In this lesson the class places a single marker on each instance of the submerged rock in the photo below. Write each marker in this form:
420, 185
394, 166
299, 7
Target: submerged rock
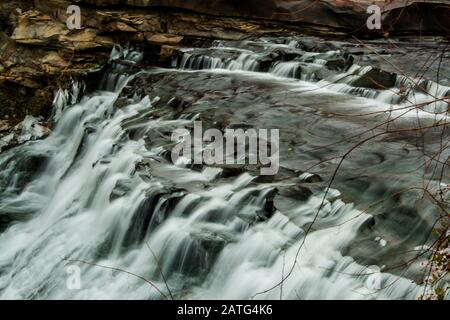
30, 128
5, 126
376, 79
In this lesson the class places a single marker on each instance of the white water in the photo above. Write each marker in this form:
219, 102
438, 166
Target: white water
70, 215
423, 99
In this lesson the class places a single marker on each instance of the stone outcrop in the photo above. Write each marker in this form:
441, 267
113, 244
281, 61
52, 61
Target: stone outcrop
344, 14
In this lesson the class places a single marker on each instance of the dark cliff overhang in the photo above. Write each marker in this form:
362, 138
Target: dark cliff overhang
399, 16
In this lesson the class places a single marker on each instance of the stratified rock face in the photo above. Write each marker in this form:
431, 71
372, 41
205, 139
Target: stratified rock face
348, 15
304, 11
404, 15
266, 9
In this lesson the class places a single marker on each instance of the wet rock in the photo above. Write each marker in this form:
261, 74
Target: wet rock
284, 54
340, 64
391, 237
291, 197
269, 207
312, 45
213, 242
265, 63
232, 171
121, 188
25, 170
200, 250
29, 129
5, 126
168, 53
263, 211
376, 79
178, 104
310, 178
398, 219
171, 200
7, 142
140, 223
296, 192
4, 222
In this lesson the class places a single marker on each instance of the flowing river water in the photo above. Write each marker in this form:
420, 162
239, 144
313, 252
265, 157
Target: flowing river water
101, 195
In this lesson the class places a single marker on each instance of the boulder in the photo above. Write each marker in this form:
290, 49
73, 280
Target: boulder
4, 126
376, 79
36, 28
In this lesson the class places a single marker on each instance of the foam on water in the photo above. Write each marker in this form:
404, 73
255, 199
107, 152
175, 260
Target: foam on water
218, 242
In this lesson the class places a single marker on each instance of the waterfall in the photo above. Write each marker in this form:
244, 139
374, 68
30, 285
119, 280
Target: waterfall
245, 62
95, 194
200, 62
287, 69
312, 67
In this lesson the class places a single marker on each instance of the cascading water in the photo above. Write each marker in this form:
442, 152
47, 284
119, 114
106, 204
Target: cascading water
313, 67
99, 193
